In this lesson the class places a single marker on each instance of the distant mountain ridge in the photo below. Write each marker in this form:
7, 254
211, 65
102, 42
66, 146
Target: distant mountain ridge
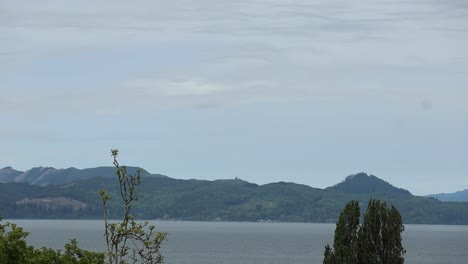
460, 196
363, 183
219, 200
43, 176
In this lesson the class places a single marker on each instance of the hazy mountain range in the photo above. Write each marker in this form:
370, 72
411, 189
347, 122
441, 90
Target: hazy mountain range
460, 196
47, 175
73, 193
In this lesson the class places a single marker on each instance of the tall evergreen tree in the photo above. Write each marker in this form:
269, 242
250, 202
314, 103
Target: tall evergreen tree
380, 235
376, 241
346, 234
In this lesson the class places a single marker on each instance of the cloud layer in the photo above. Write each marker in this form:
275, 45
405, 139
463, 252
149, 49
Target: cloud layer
381, 76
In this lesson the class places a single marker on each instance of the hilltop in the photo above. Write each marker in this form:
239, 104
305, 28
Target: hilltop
363, 183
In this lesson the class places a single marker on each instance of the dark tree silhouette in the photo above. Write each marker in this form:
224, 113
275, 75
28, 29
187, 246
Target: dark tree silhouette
376, 241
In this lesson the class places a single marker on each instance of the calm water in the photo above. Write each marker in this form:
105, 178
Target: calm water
253, 243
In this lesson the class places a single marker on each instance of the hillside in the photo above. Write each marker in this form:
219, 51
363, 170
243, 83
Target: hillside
8, 174
50, 176
460, 196
224, 200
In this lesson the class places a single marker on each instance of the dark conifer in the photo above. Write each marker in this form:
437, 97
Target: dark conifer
346, 234
328, 256
380, 235
376, 241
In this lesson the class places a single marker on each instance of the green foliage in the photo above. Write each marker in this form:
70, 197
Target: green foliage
346, 234
128, 240
380, 235
376, 241
73, 254
328, 256
14, 249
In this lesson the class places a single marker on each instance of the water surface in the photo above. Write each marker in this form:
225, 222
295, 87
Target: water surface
253, 243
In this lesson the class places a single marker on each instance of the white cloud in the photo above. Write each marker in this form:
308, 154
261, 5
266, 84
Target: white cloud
157, 87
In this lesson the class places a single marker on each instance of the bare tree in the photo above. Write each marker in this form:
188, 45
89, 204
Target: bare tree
129, 241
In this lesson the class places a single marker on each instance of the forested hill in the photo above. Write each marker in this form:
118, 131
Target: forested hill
222, 200
362, 183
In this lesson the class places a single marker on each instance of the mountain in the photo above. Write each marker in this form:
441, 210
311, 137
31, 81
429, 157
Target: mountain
362, 183
225, 200
8, 174
50, 176
460, 196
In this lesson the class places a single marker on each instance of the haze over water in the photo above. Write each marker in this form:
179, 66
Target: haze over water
253, 243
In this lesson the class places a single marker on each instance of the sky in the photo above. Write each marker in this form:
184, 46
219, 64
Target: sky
306, 91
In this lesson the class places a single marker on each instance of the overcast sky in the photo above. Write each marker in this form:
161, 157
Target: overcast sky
302, 91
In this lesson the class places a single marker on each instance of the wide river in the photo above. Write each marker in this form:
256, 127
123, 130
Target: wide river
252, 243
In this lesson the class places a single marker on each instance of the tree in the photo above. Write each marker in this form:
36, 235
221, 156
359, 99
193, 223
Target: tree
328, 256
73, 254
129, 241
380, 235
14, 249
376, 241
13, 246
346, 234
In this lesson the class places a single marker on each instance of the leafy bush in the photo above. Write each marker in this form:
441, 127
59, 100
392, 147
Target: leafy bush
14, 249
